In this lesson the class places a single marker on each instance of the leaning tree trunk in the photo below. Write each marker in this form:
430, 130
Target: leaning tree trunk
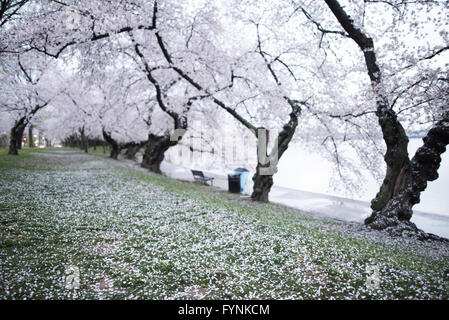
156, 146
132, 149
423, 168
16, 136
115, 146
155, 150
396, 159
396, 156
263, 178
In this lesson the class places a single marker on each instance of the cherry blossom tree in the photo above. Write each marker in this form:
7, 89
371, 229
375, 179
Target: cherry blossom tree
9, 9
28, 85
99, 31
402, 93
272, 67
195, 70
262, 76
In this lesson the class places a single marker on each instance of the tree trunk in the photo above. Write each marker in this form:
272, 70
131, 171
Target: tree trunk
154, 152
400, 171
396, 159
84, 144
30, 136
114, 153
262, 186
156, 146
263, 178
115, 146
132, 149
19, 139
423, 168
17, 130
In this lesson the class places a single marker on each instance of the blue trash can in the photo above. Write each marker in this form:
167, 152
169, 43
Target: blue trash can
243, 173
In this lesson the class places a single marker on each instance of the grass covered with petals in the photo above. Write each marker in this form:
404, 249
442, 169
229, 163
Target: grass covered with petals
137, 235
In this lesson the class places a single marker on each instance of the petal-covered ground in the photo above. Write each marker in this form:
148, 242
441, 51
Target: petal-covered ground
70, 220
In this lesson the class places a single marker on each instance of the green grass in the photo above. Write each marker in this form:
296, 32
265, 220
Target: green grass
134, 234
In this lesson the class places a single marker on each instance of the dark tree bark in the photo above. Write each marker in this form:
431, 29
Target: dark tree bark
84, 141
396, 158
15, 142
115, 146
156, 146
30, 136
262, 185
263, 181
422, 168
154, 152
132, 149
19, 140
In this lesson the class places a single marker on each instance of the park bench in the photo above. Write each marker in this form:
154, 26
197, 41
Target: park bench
199, 176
